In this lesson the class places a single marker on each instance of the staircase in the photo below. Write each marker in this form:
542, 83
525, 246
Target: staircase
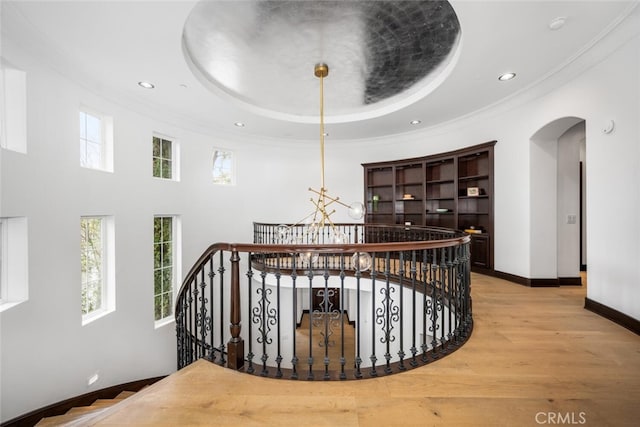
83, 415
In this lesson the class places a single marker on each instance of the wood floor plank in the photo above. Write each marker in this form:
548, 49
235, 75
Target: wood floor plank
535, 353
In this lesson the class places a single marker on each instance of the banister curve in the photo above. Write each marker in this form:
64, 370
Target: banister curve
416, 289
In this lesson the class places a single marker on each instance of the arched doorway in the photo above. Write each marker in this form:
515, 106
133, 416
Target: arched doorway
557, 191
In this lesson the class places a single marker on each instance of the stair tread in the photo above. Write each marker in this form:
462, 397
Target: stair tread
68, 418
81, 413
125, 394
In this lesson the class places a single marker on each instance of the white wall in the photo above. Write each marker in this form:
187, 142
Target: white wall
47, 355
607, 90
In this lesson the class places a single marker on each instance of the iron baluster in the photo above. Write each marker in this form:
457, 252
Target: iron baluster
343, 375
413, 350
203, 319
277, 318
212, 355
310, 358
221, 272
373, 358
401, 272
358, 361
294, 359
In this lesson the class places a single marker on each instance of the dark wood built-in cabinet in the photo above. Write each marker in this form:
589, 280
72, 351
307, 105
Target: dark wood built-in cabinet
452, 190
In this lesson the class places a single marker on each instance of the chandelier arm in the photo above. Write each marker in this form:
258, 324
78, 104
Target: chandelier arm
333, 199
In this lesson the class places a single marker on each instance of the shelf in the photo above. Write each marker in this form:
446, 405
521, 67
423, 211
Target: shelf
472, 177
482, 196
440, 181
379, 186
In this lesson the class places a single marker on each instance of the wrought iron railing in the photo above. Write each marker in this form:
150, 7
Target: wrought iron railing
391, 299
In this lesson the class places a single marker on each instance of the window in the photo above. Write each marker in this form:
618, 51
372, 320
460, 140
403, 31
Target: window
166, 262
13, 262
13, 109
3, 261
96, 141
97, 267
223, 170
165, 158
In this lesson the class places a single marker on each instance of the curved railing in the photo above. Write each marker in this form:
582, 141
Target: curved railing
390, 299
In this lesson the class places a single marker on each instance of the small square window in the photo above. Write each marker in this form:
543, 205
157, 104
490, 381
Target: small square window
223, 168
165, 157
96, 141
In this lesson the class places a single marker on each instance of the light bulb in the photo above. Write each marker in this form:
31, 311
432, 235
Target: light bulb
308, 259
283, 235
339, 238
361, 261
356, 210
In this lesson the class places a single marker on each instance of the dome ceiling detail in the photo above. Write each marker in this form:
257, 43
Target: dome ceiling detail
391, 62
382, 55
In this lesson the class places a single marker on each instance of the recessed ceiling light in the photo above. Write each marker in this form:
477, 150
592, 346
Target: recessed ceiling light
415, 122
506, 76
239, 124
146, 85
557, 23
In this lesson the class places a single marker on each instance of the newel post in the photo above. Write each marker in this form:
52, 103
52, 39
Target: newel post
235, 359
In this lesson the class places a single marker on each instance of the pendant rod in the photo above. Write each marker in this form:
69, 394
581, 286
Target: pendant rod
321, 71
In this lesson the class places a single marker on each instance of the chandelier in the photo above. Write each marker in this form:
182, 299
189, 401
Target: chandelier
320, 217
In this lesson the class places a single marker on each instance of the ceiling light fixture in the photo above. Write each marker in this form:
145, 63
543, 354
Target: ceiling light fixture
557, 23
506, 76
415, 122
320, 218
146, 85
239, 124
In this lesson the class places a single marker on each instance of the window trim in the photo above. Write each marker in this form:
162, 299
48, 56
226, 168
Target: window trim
13, 108
176, 274
108, 289
106, 142
233, 171
15, 258
175, 157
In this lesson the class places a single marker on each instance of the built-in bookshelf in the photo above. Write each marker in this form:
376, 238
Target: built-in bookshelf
452, 190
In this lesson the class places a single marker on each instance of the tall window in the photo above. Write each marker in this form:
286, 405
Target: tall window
14, 270
96, 261
3, 262
165, 158
223, 170
165, 264
96, 141
13, 109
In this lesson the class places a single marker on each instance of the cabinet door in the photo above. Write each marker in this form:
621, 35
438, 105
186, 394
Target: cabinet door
480, 251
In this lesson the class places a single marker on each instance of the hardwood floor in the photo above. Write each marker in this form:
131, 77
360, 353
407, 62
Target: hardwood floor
536, 357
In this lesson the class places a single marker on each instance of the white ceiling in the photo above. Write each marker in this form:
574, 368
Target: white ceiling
110, 46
